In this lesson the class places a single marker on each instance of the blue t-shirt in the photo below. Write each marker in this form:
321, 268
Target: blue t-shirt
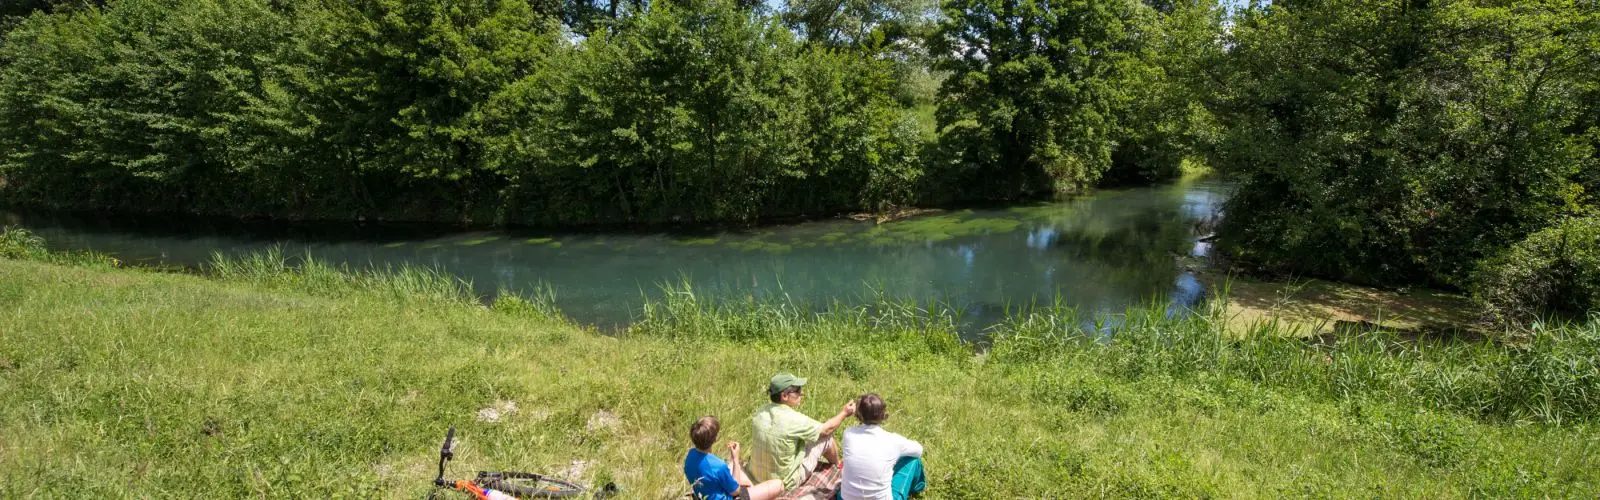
709, 475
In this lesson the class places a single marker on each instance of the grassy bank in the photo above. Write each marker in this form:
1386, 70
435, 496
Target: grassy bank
283, 383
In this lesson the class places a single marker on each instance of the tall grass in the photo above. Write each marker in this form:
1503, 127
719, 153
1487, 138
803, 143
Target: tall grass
1553, 376
21, 244
540, 304
685, 315
270, 268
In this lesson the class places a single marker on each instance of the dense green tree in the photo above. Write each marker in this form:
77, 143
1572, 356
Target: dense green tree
490, 110
480, 110
678, 97
861, 23
1034, 91
704, 111
1403, 140
1165, 120
241, 106
414, 74
134, 104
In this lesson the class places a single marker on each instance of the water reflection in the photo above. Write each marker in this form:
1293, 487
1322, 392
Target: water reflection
1101, 253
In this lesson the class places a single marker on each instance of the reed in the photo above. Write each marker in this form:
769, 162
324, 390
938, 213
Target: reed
271, 268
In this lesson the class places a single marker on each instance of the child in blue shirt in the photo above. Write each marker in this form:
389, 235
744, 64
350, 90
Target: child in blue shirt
713, 479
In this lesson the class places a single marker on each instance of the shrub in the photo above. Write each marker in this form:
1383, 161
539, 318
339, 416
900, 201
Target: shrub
1556, 269
18, 243
21, 244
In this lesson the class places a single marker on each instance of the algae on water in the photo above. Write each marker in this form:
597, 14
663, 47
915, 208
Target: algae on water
477, 241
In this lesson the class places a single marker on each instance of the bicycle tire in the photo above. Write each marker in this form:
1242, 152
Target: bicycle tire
529, 485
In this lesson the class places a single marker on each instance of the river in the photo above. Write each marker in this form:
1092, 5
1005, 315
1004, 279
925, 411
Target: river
1102, 252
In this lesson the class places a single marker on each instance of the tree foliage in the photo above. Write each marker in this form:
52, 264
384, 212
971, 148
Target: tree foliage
137, 102
1166, 119
705, 112
1402, 141
481, 110
1035, 91
869, 24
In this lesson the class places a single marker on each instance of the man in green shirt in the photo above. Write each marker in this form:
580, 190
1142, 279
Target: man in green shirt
787, 444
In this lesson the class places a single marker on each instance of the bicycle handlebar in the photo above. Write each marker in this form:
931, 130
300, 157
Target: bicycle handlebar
445, 454
449, 442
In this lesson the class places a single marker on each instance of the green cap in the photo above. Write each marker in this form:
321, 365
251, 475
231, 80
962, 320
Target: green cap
783, 381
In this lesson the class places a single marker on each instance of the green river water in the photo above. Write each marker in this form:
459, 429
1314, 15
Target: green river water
1102, 252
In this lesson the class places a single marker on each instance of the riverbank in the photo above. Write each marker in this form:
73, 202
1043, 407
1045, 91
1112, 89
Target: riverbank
264, 381
1309, 307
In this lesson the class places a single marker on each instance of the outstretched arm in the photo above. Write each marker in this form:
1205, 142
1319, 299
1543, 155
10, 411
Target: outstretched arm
837, 420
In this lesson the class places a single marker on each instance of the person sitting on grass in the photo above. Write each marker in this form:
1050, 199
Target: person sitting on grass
713, 479
878, 464
789, 444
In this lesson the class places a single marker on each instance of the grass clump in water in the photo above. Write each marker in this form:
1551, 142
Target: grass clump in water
538, 305
21, 244
683, 314
307, 274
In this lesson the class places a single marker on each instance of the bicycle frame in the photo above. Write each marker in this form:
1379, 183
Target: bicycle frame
503, 485
447, 453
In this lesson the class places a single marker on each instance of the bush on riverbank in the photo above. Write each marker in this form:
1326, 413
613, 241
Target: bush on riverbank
1402, 143
1547, 375
1554, 270
271, 269
18, 243
126, 381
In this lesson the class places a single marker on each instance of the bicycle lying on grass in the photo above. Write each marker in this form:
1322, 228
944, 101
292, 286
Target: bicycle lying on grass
507, 485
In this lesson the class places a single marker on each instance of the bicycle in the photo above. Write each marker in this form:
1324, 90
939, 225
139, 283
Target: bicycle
506, 485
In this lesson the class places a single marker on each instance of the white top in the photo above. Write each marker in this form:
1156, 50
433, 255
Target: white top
869, 456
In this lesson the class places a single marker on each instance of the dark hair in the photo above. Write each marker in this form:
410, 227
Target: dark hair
704, 432
870, 409
777, 397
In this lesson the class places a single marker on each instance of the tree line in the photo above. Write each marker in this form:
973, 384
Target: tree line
558, 113
1442, 142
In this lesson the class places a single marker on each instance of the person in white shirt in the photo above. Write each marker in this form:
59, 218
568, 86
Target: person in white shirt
878, 464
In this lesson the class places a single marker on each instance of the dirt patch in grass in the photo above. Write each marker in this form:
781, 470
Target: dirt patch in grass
602, 420
500, 409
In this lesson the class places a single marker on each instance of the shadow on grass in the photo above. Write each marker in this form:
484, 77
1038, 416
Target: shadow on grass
1320, 305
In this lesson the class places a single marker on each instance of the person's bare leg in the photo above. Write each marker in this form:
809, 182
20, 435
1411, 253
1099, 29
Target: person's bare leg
744, 479
769, 490
831, 453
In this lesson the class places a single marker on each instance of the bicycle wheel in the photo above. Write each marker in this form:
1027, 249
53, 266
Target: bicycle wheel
528, 485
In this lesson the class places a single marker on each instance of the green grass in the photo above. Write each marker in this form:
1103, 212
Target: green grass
271, 380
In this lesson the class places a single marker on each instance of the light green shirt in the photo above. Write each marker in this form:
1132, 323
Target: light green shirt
780, 439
